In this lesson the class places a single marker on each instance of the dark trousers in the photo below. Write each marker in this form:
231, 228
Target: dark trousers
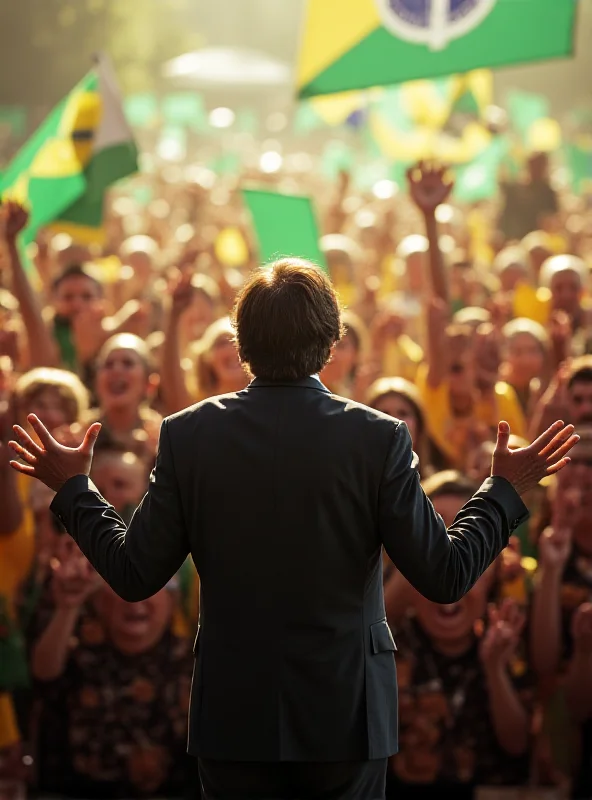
287, 780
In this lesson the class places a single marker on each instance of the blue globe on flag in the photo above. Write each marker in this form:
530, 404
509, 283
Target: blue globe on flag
434, 23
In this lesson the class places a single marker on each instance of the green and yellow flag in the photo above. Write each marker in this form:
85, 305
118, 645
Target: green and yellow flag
62, 172
356, 44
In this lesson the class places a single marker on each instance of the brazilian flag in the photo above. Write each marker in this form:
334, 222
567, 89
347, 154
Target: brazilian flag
62, 172
356, 44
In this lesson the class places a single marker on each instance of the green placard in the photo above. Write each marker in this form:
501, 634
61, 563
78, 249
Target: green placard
285, 225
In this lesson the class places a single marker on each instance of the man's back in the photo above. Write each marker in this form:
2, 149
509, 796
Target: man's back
284, 494
279, 488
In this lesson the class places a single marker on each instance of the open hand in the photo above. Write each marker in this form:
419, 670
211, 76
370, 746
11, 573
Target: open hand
525, 467
428, 186
50, 462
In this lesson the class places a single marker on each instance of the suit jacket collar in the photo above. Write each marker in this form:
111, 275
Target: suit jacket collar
305, 383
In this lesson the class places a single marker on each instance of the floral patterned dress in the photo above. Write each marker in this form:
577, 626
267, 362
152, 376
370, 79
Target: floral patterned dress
115, 726
446, 737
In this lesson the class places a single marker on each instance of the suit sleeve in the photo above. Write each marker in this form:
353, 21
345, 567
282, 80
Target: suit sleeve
139, 561
441, 564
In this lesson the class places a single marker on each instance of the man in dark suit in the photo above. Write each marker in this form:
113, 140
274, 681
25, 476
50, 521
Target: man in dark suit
284, 495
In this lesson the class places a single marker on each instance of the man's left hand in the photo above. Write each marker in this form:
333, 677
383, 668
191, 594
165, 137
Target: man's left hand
50, 462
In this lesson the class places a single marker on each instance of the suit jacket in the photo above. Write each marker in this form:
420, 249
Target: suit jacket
284, 495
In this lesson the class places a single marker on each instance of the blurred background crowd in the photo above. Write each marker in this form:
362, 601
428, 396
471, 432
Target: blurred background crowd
455, 218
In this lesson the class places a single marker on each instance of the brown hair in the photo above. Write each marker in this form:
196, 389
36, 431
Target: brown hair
399, 387
391, 387
69, 387
287, 319
207, 381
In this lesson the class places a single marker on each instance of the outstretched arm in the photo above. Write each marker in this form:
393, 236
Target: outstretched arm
136, 562
42, 351
444, 564
139, 561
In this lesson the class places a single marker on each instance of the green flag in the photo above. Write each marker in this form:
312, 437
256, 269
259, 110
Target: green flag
285, 225
83, 147
355, 44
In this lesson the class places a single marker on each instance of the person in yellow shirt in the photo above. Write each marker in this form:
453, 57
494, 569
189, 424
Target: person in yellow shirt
452, 430
460, 387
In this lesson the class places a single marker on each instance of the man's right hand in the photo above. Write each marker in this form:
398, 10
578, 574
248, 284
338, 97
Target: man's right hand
525, 467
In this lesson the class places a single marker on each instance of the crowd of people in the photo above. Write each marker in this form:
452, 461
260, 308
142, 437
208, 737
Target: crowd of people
455, 318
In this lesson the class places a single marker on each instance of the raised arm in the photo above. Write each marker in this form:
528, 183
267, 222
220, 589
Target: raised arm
444, 564
42, 351
438, 346
172, 383
554, 549
429, 188
73, 582
136, 562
